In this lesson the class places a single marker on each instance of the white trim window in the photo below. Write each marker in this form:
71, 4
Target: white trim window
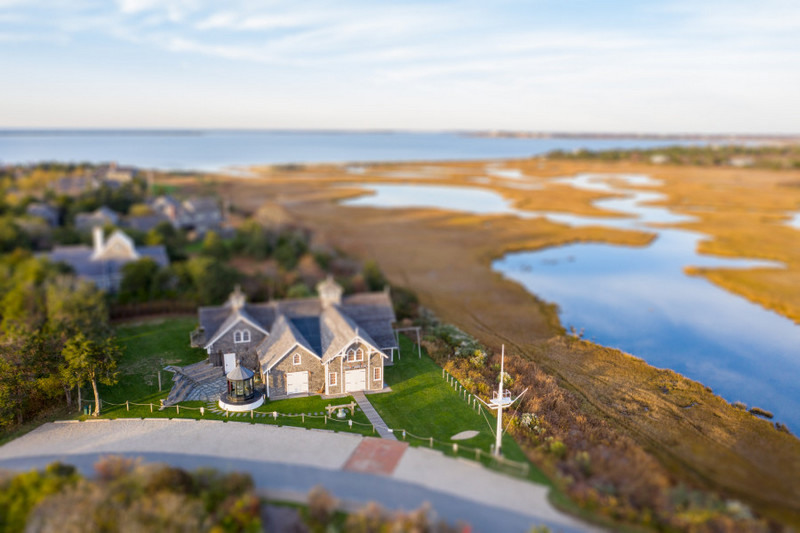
296, 360
355, 355
241, 335
332, 378
376, 373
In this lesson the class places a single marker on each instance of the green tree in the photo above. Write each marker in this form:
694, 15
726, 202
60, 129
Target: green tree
174, 240
210, 280
90, 360
139, 281
373, 276
214, 246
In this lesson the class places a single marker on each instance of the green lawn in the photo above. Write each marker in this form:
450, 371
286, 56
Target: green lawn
152, 345
146, 348
422, 403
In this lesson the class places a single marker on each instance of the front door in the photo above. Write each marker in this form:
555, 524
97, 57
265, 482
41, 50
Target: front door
229, 359
296, 382
355, 380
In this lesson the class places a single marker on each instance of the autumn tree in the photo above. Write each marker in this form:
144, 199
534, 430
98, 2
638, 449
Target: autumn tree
92, 360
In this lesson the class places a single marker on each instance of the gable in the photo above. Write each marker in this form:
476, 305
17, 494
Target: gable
227, 333
285, 358
357, 343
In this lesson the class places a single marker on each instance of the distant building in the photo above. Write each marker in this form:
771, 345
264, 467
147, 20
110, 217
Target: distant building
201, 214
74, 185
102, 263
46, 212
741, 161
101, 217
659, 159
115, 175
144, 223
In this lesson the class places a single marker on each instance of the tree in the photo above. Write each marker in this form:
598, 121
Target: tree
214, 246
211, 280
90, 360
139, 281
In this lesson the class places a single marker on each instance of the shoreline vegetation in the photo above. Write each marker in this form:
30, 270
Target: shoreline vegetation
446, 258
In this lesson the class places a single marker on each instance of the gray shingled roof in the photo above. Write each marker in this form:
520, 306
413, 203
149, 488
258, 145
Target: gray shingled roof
323, 331
283, 337
338, 330
80, 259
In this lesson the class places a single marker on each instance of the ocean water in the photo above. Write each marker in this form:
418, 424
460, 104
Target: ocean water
213, 150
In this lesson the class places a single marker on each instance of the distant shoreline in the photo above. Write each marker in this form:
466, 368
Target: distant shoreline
500, 134
706, 137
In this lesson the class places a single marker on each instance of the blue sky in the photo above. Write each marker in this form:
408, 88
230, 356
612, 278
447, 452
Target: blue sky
656, 66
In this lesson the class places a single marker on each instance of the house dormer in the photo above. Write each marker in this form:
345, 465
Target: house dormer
330, 292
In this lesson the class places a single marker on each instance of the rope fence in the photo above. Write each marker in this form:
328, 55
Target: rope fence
452, 448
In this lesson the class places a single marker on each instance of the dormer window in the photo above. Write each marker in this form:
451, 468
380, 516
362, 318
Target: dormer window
355, 355
296, 359
241, 335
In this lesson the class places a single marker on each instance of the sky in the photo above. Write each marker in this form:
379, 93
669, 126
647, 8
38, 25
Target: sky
661, 66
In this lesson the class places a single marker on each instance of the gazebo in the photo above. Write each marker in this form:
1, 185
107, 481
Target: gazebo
241, 394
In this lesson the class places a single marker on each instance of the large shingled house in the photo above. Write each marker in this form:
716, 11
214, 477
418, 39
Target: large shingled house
102, 263
327, 345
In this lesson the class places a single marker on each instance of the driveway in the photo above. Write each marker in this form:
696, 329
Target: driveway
287, 462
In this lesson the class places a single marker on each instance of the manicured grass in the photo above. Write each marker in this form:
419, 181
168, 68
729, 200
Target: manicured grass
146, 349
310, 406
425, 405
150, 346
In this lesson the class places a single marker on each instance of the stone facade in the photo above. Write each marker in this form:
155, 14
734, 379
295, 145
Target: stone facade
340, 365
308, 363
245, 351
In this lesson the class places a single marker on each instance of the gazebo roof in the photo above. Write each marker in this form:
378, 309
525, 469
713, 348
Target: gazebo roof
239, 373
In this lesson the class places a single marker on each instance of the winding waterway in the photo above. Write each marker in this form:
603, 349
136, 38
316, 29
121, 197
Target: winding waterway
639, 299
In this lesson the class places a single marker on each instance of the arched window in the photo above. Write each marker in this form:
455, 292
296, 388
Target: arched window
359, 355
351, 355
296, 359
241, 335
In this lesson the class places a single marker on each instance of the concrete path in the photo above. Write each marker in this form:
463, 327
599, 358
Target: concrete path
373, 416
290, 461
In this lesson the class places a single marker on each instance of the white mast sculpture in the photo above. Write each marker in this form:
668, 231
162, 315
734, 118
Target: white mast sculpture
499, 401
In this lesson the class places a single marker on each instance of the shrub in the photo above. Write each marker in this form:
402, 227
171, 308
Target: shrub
321, 505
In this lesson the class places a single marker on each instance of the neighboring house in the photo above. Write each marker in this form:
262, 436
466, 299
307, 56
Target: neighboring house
101, 217
144, 223
102, 263
200, 214
327, 345
203, 213
74, 185
46, 212
115, 175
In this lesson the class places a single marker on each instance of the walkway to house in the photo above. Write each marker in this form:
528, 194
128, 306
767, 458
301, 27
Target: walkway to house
198, 382
373, 416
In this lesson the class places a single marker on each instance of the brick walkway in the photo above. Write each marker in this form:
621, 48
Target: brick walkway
373, 416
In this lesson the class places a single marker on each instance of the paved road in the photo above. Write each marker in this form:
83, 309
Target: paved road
289, 461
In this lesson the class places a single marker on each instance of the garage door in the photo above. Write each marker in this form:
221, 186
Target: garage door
355, 380
296, 382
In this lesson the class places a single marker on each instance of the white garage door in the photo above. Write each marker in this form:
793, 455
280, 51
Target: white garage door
296, 382
355, 380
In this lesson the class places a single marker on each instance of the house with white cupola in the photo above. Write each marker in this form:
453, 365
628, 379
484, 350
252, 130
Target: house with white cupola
331, 344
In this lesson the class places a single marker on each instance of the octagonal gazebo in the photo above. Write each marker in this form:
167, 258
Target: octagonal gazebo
241, 394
